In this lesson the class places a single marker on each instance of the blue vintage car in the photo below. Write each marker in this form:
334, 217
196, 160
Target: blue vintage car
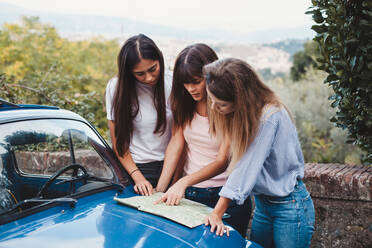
58, 178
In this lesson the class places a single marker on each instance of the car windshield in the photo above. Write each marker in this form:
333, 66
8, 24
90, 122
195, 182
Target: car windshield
42, 147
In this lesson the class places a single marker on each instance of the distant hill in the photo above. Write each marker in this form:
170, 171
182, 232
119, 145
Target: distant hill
93, 25
291, 46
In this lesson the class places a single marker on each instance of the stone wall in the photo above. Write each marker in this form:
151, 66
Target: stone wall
47, 163
342, 196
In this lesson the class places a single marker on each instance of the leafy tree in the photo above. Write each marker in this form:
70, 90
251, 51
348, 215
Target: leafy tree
307, 99
344, 36
46, 93
38, 66
304, 60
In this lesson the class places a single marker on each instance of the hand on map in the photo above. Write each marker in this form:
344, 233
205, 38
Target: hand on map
143, 187
174, 194
215, 221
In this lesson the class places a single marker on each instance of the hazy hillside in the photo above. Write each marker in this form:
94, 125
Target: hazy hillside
290, 46
266, 50
90, 25
261, 57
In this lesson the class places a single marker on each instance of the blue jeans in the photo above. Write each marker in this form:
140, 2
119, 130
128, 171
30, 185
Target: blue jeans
284, 221
239, 214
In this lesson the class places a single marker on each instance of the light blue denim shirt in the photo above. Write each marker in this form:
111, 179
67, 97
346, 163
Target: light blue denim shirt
272, 163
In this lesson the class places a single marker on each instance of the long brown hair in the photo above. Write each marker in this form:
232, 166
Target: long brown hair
235, 81
188, 68
125, 101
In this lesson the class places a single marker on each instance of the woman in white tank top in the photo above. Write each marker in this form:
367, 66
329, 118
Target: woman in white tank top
138, 111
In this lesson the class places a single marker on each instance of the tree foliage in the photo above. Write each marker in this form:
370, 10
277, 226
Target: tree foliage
307, 99
38, 66
344, 36
304, 60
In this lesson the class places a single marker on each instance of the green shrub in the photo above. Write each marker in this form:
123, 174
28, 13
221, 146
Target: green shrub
308, 102
344, 36
304, 60
52, 91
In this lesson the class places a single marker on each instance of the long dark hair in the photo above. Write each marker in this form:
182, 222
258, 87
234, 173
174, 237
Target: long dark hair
188, 68
125, 102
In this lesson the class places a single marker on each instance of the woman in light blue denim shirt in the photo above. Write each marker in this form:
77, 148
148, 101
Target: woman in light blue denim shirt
266, 161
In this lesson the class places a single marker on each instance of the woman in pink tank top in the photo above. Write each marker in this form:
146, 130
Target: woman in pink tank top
200, 174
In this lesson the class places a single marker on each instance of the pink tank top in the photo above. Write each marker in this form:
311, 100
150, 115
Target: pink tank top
202, 149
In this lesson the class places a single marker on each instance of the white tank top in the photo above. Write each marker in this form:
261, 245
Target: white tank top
146, 146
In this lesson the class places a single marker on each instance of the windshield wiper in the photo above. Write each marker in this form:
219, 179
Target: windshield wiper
69, 200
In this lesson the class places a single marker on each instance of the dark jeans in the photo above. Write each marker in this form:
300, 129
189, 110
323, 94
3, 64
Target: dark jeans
239, 214
151, 171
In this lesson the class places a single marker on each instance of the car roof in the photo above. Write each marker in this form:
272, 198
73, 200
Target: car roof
10, 112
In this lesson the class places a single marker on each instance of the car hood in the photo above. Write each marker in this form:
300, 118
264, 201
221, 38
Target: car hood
99, 221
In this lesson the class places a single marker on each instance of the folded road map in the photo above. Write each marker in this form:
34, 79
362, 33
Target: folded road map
188, 213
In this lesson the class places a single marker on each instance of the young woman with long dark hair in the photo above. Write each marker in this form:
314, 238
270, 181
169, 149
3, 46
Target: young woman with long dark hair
267, 160
206, 156
138, 113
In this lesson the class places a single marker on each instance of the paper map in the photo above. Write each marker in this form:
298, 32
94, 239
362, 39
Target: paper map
188, 213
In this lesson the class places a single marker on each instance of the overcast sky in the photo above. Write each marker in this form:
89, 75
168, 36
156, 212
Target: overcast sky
235, 15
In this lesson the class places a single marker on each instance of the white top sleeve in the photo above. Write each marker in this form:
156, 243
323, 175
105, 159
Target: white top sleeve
146, 146
110, 92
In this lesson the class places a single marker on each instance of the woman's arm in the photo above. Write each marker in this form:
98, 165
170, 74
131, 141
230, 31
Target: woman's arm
244, 177
215, 218
177, 191
180, 166
142, 186
173, 153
